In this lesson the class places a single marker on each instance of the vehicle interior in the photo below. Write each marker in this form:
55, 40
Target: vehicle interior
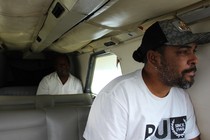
94, 34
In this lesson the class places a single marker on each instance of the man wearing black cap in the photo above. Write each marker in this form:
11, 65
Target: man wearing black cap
151, 103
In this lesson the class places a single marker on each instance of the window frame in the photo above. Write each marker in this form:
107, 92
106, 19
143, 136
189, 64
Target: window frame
91, 69
90, 72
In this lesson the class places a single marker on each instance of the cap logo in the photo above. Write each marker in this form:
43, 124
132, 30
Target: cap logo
181, 26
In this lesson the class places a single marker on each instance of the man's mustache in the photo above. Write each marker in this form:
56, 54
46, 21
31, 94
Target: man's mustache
194, 69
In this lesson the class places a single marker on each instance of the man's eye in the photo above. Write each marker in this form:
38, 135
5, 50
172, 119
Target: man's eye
186, 51
195, 50
183, 52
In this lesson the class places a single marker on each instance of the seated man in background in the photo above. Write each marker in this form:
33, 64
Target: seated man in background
61, 81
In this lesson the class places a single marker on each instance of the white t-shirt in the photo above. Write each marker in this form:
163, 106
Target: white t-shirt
126, 110
51, 84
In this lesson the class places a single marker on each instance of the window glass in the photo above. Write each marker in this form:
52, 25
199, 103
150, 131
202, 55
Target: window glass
107, 67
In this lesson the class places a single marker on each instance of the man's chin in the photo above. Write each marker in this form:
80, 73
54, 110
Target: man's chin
185, 84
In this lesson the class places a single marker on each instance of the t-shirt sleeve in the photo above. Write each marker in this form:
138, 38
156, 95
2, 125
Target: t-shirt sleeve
192, 130
106, 119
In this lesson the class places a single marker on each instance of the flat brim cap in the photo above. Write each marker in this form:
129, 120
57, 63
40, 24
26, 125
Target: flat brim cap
168, 32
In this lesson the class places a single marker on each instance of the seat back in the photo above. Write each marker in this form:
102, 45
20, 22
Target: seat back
23, 125
44, 117
32, 102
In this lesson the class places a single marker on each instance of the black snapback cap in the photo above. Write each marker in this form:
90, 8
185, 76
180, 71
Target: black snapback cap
168, 32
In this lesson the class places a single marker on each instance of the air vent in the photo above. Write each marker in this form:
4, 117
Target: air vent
64, 16
38, 39
110, 43
58, 10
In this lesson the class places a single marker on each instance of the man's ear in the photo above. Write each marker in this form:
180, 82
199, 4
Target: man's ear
153, 57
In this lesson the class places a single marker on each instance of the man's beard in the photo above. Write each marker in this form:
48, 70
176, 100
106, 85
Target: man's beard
170, 76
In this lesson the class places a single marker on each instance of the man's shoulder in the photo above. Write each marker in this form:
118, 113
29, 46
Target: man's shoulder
50, 76
136, 75
124, 81
73, 77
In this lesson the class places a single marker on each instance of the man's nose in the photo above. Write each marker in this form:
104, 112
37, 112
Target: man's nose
193, 60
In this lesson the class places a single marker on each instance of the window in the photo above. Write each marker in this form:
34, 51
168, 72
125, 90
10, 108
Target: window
106, 68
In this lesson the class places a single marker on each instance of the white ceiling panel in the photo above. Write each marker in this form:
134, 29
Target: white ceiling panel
20, 20
126, 12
